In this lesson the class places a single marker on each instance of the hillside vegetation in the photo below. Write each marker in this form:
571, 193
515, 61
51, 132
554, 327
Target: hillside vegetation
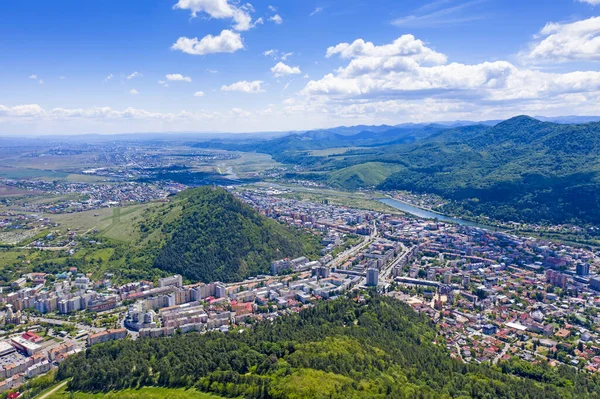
337, 350
216, 237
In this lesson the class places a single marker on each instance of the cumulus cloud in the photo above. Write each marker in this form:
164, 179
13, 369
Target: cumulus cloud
134, 75
245, 86
133, 92
277, 19
406, 77
199, 94
406, 46
576, 41
177, 77
281, 69
221, 9
226, 42
592, 2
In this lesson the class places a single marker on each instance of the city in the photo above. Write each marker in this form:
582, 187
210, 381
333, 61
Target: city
494, 295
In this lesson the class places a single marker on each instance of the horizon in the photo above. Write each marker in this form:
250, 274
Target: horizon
276, 133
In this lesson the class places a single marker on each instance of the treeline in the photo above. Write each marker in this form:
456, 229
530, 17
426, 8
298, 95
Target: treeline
219, 238
338, 349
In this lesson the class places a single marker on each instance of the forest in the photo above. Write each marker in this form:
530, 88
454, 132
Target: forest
216, 237
352, 347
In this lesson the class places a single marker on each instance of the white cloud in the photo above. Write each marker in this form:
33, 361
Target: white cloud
576, 41
34, 111
270, 53
177, 77
245, 86
62, 77
26, 110
220, 9
240, 113
134, 92
226, 42
281, 69
109, 77
272, 8
277, 19
316, 11
404, 46
134, 75
276, 54
592, 2
409, 79
163, 83
199, 94
35, 77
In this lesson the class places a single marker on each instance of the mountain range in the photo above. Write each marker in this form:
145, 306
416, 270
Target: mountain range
521, 169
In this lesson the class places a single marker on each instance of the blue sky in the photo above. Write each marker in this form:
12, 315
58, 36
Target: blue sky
71, 67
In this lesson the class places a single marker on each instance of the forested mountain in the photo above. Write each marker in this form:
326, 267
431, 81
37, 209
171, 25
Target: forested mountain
521, 169
321, 139
337, 350
213, 236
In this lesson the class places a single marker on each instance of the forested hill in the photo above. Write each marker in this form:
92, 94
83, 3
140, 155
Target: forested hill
521, 169
213, 236
340, 349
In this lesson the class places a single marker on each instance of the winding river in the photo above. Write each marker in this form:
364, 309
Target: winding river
425, 214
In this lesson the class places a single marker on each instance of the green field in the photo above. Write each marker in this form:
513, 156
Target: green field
142, 393
26, 173
364, 175
114, 223
331, 151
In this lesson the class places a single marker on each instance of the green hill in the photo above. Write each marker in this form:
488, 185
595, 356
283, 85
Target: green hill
213, 236
336, 350
521, 170
363, 175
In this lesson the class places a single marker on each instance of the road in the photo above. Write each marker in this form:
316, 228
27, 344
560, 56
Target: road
350, 252
53, 390
387, 270
504, 350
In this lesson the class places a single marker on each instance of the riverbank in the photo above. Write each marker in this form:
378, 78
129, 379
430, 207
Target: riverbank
428, 214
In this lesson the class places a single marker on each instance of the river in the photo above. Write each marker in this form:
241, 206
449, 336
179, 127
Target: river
425, 214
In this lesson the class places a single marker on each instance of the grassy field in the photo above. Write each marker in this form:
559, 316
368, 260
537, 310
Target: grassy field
142, 393
331, 151
26, 173
114, 223
366, 174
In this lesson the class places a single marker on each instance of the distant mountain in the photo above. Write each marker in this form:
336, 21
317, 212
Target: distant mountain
328, 138
209, 235
522, 169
